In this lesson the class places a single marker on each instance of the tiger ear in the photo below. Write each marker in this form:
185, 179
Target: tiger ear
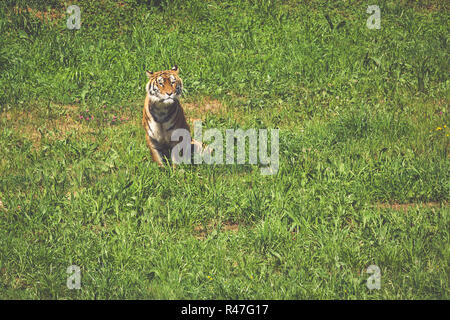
175, 68
149, 73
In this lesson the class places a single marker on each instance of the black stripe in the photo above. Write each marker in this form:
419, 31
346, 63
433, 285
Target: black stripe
167, 117
173, 126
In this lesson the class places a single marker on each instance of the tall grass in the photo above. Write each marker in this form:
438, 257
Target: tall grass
364, 169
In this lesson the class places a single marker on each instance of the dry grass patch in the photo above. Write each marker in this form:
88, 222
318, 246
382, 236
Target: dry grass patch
201, 107
51, 16
198, 109
58, 122
201, 231
408, 206
32, 125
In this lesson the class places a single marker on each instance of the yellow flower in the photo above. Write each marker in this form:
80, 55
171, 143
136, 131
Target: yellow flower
438, 128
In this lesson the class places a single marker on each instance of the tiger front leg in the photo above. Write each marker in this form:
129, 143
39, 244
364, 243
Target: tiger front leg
162, 155
157, 155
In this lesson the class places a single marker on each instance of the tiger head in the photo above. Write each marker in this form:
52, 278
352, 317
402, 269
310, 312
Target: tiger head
164, 87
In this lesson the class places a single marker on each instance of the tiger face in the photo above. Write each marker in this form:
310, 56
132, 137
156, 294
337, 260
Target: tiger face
164, 87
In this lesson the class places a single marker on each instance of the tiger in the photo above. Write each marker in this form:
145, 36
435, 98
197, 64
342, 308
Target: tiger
163, 114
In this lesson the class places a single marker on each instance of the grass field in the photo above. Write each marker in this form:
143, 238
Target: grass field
364, 124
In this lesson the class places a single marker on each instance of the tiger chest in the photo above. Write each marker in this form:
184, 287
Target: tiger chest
160, 132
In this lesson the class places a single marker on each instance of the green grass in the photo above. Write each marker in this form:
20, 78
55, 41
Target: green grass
361, 115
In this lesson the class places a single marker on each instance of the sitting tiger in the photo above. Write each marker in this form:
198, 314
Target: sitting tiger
163, 113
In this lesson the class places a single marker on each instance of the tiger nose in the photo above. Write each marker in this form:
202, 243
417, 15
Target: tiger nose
169, 93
